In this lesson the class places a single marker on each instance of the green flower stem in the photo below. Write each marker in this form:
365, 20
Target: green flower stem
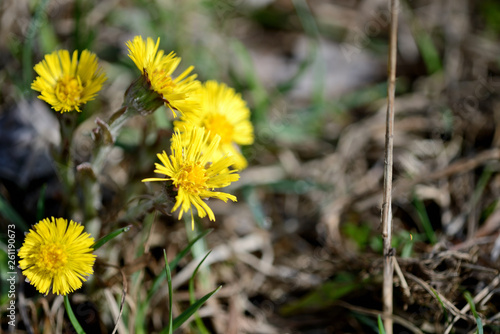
63, 161
92, 204
139, 99
88, 173
109, 132
89, 186
67, 125
71, 316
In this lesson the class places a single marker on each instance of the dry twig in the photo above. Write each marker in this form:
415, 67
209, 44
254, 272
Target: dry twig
386, 207
404, 284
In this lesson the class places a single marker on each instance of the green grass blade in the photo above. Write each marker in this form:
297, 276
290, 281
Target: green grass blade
381, 329
428, 51
193, 308
71, 316
191, 280
440, 302
479, 326
192, 297
157, 282
424, 219
169, 328
470, 300
179, 256
110, 236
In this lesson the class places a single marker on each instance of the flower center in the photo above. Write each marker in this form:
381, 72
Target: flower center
69, 90
219, 125
192, 178
52, 257
161, 82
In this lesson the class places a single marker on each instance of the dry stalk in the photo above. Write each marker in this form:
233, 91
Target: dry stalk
386, 207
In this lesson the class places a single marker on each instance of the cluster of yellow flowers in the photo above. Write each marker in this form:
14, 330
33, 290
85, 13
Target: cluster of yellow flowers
211, 121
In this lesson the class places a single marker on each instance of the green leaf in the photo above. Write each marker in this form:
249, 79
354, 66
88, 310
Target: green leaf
191, 280
470, 300
440, 302
428, 51
157, 282
381, 329
358, 233
110, 236
193, 308
479, 325
424, 219
161, 277
71, 316
192, 297
169, 329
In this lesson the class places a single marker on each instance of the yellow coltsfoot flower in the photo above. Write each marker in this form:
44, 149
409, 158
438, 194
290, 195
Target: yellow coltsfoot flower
68, 83
222, 113
195, 170
57, 256
157, 68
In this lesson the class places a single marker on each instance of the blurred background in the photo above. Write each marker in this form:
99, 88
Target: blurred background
301, 251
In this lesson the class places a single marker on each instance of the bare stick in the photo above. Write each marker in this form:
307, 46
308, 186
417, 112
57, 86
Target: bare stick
386, 206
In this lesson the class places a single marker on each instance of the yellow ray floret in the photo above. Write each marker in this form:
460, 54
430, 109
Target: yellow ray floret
224, 113
57, 255
158, 68
68, 83
195, 170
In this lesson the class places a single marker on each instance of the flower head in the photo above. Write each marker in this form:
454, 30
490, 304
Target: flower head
195, 170
67, 83
222, 113
157, 68
57, 255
